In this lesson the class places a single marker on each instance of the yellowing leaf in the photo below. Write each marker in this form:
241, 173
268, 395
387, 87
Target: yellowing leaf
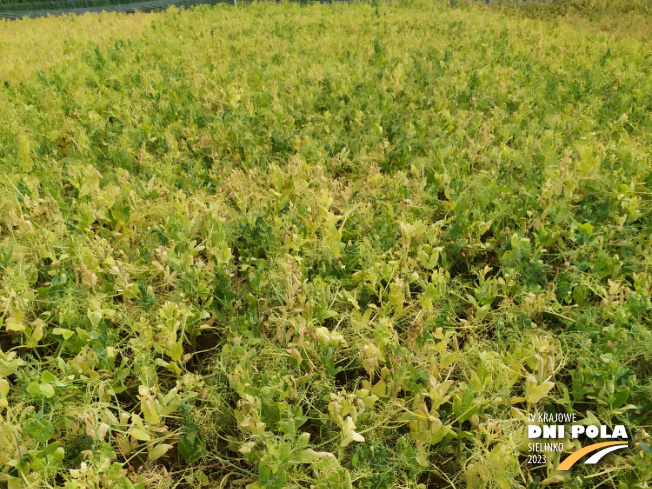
175, 351
47, 390
439, 434
139, 434
158, 451
6, 460
534, 393
247, 447
66, 333
13, 324
124, 445
348, 433
380, 389
38, 328
15, 483
308, 456
102, 431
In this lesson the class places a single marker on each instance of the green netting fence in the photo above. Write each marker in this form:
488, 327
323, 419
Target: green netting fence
18, 9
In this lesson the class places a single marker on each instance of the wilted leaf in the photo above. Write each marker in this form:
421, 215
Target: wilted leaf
555, 479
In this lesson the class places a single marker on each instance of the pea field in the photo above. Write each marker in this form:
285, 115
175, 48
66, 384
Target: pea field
333, 246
